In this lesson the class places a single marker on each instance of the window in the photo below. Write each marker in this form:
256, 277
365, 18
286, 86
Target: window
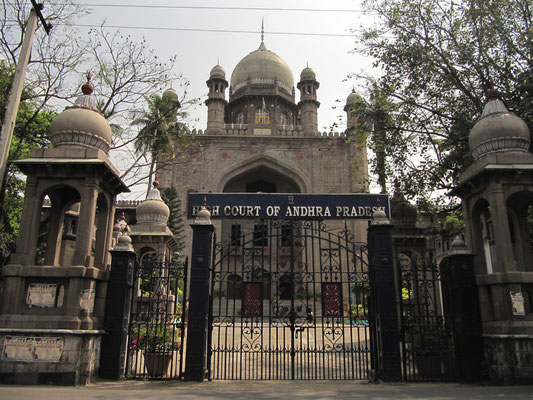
262, 116
235, 235
260, 235
285, 119
239, 119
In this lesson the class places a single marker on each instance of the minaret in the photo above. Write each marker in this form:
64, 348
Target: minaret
216, 102
308, 103
351, 119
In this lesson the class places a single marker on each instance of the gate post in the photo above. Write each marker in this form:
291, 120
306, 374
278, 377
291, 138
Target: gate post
117, 310
196, 350
387, 338
461, 297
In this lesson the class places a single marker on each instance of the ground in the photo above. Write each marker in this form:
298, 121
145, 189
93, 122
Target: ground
267, 390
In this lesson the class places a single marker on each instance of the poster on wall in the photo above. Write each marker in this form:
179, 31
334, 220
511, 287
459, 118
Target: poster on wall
41, 295
87, 301
32, 349
518, 303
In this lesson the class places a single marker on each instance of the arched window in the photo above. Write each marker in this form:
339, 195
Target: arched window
262, 117
239, 118
285, 119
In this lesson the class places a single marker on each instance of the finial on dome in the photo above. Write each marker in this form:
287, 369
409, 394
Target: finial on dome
262, 30
492, 94
87, 88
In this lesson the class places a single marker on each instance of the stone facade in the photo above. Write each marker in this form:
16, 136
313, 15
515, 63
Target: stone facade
497, 193
262, 140
55, 286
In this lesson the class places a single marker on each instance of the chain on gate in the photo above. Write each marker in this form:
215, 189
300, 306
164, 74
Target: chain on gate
290, 300
157, 320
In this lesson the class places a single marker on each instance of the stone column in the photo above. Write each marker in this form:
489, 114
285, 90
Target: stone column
505, 259
387, 361
197, 343
29, 225
84, 240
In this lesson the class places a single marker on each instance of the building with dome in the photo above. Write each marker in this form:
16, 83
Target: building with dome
497, 194
54, 288
262, 136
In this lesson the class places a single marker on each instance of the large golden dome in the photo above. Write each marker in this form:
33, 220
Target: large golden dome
262, 64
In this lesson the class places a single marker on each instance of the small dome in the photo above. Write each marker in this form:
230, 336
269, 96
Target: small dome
498, 130
307, 74
217, 72
353, 97
82, 124
262, 64
171, 94
153, 210
403, 212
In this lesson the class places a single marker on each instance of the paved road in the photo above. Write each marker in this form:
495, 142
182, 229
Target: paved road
319, 390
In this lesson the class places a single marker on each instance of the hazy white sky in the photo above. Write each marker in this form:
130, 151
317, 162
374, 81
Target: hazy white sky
197, 52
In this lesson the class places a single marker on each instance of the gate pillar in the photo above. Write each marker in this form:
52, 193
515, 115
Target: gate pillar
196, 350
462, 301
117, 310
387, 362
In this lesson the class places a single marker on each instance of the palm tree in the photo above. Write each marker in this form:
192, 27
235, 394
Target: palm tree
160, 131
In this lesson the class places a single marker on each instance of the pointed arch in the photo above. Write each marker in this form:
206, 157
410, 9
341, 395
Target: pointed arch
262, 165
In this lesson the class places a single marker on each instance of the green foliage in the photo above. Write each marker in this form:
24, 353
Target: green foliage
158, 337
374, 124
437, 60
160, 131
454, 224
175, 221
31, 127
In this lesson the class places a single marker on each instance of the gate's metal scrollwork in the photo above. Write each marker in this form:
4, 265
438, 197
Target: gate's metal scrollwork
290, 300
157, 324
427, 330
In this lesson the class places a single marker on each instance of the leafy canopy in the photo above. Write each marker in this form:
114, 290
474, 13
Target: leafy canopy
437, 59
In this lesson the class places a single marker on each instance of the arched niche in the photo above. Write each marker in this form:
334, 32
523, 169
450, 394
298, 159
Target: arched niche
287, 179
55, 202
103, 220
520, 216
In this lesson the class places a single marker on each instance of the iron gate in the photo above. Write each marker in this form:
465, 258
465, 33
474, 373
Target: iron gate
157, 324
426, 322
290, 300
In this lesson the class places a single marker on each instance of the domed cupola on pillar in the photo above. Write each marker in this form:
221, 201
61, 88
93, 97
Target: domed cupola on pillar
82, 125
497, 194
308, 104
498, 131
63, 244
151, 234
216, 100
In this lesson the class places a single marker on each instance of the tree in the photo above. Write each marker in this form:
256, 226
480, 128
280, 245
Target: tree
374, 121
437, 60
160, 131
30, 132
175, 220
124, 71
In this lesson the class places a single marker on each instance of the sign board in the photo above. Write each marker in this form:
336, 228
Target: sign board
518, 303
32, 349
87, 301
289, 206
41, 295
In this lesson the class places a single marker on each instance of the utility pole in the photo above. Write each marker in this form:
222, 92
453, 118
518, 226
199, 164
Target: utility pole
8, 125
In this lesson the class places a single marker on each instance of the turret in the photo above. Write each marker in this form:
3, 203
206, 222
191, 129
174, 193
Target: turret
351, 119
216, 102
308, 103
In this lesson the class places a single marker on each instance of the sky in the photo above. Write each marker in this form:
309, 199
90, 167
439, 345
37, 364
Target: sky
197, 52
